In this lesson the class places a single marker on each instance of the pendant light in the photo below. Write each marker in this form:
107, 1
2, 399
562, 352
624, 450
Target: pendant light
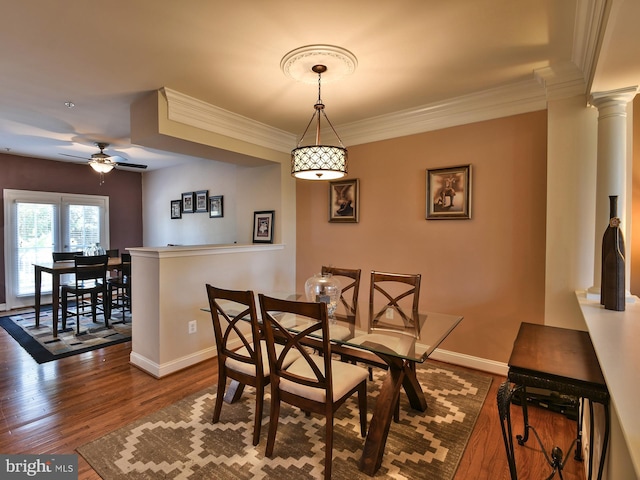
318, 161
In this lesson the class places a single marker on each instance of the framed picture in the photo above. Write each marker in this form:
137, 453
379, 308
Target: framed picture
201, 201
449, 193
187, 202
344, 201
263, 226
176, 208
215, 206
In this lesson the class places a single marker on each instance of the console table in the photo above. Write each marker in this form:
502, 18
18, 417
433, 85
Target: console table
561, 360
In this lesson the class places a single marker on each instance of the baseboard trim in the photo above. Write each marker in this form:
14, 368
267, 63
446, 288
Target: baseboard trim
162, 370
477, 363
446, 356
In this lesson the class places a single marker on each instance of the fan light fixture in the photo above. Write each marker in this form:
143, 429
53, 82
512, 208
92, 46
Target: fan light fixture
319, 162
101, 162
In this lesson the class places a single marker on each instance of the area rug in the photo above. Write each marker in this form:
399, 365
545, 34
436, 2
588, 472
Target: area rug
180, 442
43, 347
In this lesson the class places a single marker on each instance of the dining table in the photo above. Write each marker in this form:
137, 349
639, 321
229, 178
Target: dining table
400, 349
56, 270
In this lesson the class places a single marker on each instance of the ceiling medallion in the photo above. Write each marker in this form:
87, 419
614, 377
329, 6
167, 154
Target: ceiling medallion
298, 63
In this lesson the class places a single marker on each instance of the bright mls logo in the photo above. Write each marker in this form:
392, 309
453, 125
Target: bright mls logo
52, 467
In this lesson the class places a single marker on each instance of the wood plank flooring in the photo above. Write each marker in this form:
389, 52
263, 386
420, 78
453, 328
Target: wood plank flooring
59, 406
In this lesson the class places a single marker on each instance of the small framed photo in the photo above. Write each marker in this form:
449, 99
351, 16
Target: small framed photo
263, 226
176, 209
187, 202
449, 193
344, 201
201, 201
216, 206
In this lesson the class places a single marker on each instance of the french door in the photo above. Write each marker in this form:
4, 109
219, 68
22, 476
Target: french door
39, 223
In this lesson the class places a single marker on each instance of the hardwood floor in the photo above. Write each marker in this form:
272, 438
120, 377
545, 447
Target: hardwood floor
59, 406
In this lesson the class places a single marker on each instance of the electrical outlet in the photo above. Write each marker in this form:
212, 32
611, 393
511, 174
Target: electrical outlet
389, 313
193, 326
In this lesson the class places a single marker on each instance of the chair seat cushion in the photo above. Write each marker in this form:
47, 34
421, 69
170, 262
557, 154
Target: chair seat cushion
345, 377
400, 344
250, 368
336, 331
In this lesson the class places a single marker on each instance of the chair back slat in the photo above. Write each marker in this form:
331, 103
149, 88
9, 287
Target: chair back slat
350, 279
397, 292
64, 256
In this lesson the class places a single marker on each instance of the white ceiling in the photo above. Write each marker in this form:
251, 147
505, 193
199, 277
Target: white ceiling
102, 56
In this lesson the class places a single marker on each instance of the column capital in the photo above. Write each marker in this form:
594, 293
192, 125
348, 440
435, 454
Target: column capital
619, 97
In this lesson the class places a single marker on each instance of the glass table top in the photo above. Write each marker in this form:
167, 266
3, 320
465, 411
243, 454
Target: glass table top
391, 338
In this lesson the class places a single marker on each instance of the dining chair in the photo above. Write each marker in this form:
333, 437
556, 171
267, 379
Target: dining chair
90, 280
119, 288
64, 257
112, 253
348, 303
393, 306
313, 383
391, 295
241, 349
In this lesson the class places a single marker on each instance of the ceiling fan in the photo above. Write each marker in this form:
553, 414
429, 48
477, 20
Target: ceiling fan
103, 163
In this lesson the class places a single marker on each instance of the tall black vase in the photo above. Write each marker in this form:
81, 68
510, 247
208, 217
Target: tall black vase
612, 288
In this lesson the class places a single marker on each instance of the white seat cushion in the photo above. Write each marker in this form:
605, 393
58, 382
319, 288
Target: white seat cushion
401, 344
345, 377
336, 331
250, 369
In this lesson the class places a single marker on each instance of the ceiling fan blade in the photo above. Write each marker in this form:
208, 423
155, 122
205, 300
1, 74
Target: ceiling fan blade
130, 165
73, 156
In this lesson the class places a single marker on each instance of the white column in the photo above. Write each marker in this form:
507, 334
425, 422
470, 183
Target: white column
612, 167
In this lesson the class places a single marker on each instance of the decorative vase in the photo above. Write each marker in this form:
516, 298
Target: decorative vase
93, 250
323, 288
612, 289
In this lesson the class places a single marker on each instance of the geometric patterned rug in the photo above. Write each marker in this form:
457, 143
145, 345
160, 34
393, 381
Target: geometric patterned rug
180, 442
43, 347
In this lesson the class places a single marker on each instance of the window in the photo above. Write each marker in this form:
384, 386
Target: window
39, 223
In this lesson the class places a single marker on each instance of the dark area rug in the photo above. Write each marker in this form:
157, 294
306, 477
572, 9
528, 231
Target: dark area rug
180, 442
43, 347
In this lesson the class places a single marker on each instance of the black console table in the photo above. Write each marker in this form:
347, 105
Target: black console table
561, 360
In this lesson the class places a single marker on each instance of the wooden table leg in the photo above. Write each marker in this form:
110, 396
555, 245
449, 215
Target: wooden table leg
38, 280
381, 421
55, 301
413, 388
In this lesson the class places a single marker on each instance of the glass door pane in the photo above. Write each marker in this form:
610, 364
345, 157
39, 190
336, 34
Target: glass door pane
35, 241
83, 227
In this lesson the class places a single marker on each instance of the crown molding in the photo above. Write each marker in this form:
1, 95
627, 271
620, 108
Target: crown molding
196, 113
525, 96
561, 81
521, 97
591, 20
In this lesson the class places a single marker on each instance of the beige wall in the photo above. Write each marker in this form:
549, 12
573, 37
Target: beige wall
491, 269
